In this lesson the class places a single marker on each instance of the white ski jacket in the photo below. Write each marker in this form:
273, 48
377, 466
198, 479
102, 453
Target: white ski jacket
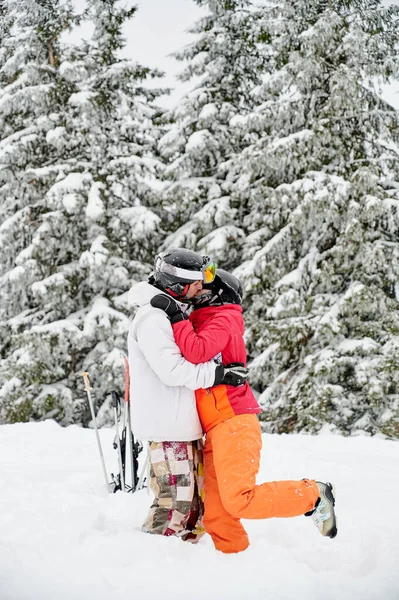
162, 382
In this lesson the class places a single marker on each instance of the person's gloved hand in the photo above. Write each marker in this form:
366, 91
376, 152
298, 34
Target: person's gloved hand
232, 374
170, 307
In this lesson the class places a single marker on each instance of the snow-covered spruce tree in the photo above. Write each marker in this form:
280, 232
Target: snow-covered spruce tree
5, 26
322, 186
31, 100
225, 62
94, 230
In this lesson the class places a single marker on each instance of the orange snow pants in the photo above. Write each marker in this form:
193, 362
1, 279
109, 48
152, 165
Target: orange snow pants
231, 463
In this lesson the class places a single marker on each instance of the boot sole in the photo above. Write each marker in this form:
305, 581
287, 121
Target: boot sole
334, 530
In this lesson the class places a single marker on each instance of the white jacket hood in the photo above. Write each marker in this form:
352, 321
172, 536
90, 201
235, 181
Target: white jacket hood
142, 293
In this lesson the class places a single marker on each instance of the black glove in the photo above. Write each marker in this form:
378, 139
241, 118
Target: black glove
232, 374
170, 307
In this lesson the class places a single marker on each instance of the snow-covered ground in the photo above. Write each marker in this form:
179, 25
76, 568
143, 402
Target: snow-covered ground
62, 537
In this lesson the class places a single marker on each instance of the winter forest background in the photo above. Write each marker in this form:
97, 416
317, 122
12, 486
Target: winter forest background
281, 161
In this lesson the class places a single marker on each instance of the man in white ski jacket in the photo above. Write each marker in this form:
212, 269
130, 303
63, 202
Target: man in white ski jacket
162, 394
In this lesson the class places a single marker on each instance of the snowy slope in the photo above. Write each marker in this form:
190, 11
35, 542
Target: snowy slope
63, 537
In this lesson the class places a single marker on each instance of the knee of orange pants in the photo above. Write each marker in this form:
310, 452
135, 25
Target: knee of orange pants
228, 534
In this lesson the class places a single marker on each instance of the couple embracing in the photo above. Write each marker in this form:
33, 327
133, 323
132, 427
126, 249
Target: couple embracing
189, 378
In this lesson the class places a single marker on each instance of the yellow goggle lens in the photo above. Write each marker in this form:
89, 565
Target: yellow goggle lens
209, 272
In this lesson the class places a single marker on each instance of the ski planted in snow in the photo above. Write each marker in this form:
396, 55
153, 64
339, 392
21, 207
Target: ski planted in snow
127, 447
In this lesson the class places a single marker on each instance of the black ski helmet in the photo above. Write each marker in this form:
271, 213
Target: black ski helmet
175, 270
224, 289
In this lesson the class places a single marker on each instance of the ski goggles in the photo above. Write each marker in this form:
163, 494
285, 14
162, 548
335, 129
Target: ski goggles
208, 270
206, 275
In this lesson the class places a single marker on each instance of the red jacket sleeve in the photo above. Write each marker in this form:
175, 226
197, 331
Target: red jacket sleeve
198, 348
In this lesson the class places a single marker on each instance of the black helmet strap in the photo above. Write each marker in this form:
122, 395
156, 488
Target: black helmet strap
179, 295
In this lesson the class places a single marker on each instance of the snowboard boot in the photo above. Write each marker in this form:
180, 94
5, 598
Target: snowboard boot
323, 515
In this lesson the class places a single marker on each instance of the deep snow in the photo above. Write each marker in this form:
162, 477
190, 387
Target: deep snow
63, 537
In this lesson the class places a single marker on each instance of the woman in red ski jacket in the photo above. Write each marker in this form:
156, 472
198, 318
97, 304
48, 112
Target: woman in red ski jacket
233, 436
217, 332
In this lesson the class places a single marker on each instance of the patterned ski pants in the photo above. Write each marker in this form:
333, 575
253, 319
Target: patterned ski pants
176, 480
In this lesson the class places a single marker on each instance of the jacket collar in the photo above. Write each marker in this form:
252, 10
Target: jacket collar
200, 315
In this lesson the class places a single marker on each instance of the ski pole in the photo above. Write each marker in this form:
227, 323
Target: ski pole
115, 401
143, 474
88, 389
